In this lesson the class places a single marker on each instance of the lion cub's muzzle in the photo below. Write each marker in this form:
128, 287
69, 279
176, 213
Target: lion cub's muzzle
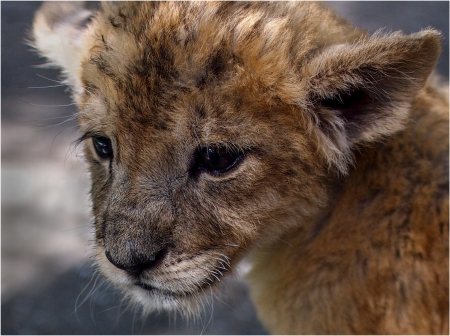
153, 243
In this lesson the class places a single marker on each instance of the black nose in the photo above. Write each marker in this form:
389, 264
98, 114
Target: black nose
136, 264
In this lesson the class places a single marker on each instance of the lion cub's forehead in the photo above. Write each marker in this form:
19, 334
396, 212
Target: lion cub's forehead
144, 57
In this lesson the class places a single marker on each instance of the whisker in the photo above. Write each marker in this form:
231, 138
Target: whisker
45, 87
44, 128
53, 141
223, 255
211, 312
223, 261
39, 105
215, 277
52, 80
70, 117
110, 308
78, 305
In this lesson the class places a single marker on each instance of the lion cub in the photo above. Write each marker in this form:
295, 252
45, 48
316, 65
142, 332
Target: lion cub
276, 131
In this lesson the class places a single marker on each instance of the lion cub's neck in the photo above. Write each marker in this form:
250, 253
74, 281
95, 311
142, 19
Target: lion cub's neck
307, 270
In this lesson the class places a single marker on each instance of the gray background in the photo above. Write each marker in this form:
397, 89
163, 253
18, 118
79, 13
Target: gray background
47, 280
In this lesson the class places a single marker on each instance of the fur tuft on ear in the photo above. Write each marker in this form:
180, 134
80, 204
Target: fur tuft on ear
362, 92
58, 35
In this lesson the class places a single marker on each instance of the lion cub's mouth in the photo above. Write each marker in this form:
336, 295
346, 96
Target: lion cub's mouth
154, 290
174, 293
145, 286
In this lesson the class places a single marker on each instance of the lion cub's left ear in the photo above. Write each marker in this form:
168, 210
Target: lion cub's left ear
59, 29
363, 91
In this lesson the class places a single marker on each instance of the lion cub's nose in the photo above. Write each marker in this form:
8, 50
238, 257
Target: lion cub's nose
135, 263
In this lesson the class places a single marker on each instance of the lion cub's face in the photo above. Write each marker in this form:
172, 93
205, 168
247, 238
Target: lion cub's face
192, 157
212, 127
187, 175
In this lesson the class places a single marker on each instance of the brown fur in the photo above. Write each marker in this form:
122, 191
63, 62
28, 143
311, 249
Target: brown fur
340, 193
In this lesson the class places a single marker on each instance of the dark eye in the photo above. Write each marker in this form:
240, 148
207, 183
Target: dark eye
217, 160
102, 147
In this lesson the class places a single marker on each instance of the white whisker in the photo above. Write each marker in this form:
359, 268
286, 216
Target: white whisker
45, 87
39, 105
52, 80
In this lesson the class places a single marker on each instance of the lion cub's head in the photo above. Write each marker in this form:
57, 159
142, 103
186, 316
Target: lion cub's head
212, 127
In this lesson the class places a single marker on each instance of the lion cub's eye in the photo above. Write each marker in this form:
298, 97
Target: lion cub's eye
217, 160
102, 147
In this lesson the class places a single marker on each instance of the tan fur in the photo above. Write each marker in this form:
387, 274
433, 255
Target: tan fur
339, 189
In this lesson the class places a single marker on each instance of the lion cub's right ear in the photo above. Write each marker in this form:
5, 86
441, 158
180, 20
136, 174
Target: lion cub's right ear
361, 92
58, 34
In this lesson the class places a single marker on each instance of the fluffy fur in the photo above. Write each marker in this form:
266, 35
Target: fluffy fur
339, 195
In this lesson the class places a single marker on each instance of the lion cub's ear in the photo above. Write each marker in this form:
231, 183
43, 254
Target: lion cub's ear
58, 34
361, 92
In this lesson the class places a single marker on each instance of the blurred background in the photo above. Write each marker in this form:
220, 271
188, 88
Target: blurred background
47, 283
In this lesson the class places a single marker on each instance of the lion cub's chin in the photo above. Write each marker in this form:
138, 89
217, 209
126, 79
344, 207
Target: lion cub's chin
156, 299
